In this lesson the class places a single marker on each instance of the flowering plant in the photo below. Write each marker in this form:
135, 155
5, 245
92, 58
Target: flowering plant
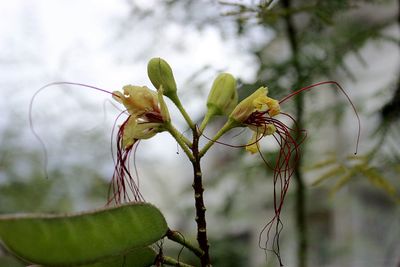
124, 234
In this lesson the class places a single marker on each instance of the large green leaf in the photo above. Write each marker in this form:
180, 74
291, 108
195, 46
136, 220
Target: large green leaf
65, 240
138, 257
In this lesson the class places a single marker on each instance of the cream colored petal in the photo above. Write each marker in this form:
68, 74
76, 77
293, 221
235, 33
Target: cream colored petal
260, 103
139, 100
247, 106
273, 106
146, 130
264, 130
135, 130
128, 135
252, 145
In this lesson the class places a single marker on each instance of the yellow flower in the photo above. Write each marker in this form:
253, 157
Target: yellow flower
148, 113
258, 133
134, 130
137, 99
252, 112
258, 101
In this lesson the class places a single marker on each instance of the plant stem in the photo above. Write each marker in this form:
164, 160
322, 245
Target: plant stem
180, 139
179, 238
300, 194
175, 99
228, 126
181, 136
199, 203
205, 121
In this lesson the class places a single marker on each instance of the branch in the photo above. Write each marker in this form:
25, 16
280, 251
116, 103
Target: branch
179, 238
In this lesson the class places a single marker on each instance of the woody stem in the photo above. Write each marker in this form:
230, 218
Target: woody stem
199, 203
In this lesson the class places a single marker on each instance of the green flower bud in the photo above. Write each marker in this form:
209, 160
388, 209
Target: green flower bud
223, 97
160, 74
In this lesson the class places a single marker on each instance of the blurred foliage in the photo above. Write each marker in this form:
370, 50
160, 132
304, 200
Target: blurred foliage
326, 34
231, 250
357, 167
25, 188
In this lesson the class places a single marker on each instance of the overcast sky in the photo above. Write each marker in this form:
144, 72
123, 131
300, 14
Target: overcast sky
106, 44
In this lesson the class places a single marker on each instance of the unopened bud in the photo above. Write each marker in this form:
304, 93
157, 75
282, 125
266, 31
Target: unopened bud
160, 74
223, 96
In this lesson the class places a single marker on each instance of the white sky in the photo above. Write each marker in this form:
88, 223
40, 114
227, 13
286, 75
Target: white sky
98, 43
95, 42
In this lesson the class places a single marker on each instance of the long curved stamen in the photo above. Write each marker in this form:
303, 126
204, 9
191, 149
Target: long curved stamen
31, 125
345, 94
123, 181
288, 141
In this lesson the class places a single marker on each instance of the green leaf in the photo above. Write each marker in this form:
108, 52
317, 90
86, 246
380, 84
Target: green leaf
333, 172
379, 181
323, 164
76, 239
139, 257
397, 168
342, 181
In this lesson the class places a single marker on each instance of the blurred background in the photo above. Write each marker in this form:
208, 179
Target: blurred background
341, 209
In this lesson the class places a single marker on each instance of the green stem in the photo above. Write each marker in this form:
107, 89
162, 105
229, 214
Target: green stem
180, 139
205, 121
228, 126
184, 139
175, 99
172, 262
179, 238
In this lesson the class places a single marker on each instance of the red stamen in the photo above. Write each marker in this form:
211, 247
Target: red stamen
37, 136
154, 117
342, 90
283, 171
283, 168
289, 140
122, 181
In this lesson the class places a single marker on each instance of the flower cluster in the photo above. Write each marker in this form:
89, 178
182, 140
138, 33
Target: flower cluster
148, 115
